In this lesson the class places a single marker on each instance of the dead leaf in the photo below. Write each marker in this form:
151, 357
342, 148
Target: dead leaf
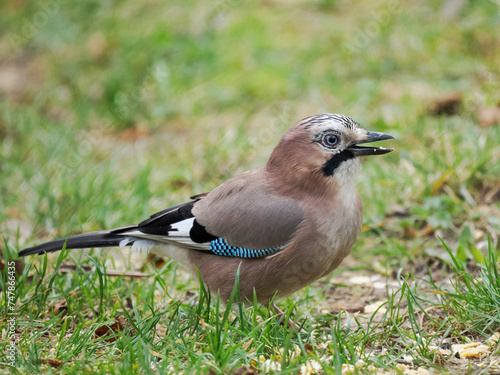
188, 296
489, 116
97, 44
350, 305
447, 105
112, 329
441, 293
245, 370
107, 330
60, 307
67, 268
71, 267
308, 347
134, 132
157, 261
409, 232
18, 267
426, 231
441, 180
156, 354
51, 362
366, 227
247, 344
133, 274
21, 78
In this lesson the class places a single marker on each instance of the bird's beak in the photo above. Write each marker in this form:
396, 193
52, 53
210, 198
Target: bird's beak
372, 137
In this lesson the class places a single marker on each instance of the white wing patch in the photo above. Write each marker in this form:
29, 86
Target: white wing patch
179, 235
183, 227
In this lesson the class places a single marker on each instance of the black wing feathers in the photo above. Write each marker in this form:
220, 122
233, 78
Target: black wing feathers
169, 216
199, 234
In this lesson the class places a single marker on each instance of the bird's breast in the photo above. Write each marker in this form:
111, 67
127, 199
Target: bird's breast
336, 227
322, 240
341, 224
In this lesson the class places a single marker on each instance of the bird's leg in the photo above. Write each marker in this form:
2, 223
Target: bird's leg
282, 315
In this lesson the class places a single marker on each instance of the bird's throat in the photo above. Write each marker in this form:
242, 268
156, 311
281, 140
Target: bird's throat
335, 161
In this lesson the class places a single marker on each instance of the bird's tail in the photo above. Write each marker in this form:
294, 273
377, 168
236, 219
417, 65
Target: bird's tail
93, 239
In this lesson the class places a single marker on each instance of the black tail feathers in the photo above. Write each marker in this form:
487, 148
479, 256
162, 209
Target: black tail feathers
159, 223
93, 239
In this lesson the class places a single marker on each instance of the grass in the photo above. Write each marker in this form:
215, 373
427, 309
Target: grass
111, 112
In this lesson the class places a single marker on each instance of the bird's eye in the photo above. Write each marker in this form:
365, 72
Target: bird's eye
330, 140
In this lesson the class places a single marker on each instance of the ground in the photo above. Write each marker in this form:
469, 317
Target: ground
112, 111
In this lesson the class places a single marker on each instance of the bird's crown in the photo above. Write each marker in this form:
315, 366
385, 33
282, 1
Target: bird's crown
327, 119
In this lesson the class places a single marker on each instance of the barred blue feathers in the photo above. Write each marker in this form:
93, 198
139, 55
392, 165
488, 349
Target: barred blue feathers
220, 247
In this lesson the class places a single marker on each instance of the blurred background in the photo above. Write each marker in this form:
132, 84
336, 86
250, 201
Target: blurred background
113, 110
110, 111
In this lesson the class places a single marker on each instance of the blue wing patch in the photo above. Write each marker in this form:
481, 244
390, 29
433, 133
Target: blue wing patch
219, 246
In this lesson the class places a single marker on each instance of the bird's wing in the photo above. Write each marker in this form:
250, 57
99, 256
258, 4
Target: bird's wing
245, 212
241, 218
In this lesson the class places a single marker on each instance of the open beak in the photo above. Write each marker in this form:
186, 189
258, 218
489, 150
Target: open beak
372, 137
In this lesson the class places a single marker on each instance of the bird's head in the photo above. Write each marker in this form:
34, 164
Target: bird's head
326, 145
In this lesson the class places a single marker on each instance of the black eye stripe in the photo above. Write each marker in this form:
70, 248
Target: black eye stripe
334, 162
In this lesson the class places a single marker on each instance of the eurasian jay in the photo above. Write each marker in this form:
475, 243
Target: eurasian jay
283, 225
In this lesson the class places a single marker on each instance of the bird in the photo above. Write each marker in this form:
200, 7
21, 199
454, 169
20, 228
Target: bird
278, 228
